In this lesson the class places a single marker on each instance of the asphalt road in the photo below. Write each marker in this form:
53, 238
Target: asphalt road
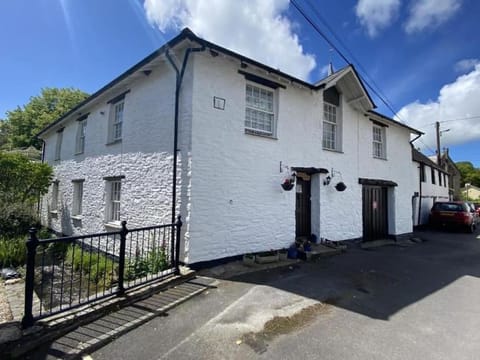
416, 301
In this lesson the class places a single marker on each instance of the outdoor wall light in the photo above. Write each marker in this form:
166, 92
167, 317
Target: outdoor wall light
327, 180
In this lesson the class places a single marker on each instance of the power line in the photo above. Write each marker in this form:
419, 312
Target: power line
325, 37
350, 53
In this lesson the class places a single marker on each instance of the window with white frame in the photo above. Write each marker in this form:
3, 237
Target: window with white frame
378, 141
114, 188
58, 146
330, 127
259, 113
77, 197
332, 120
55, 191
116, 121
80, 140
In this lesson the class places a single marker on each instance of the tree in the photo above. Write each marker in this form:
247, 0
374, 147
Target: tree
22, 182
469, 173
21, 125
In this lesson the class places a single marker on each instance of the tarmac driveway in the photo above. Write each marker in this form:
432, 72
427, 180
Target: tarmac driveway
414, 301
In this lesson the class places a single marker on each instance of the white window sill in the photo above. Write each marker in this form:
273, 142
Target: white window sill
380, 158
79, 153
54, 212
77, 217
266, 136
333, 150
114, 142
116, 225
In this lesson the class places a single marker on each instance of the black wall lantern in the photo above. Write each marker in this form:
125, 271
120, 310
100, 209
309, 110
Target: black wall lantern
340, 186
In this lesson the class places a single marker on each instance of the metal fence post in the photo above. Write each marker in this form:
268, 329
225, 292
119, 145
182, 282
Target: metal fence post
32, 243
178, 225
121, 263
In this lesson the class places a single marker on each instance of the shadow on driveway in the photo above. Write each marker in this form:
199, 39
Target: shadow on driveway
379, 282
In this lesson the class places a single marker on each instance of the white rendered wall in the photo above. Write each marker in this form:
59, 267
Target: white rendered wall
143, 157
237, 203
429, 193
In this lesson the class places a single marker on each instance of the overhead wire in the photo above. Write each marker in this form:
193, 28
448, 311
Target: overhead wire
341, 54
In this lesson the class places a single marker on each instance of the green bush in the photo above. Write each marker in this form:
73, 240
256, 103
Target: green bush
13, 252
99, 268
155, 261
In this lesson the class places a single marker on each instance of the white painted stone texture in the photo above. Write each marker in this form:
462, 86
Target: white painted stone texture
229, 191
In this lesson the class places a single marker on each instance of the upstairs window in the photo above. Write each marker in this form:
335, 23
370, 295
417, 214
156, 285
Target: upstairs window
422, 172
117, 120
379, 148
332, 120
259, 112
440, 178
433, 176
80, 139
58, 146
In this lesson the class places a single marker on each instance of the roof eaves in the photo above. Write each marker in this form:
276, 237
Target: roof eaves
186, 33
384, 117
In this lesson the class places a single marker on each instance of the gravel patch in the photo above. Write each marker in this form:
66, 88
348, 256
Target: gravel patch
5, 313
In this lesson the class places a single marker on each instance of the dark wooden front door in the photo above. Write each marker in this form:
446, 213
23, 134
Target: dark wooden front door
375, 215
302, 208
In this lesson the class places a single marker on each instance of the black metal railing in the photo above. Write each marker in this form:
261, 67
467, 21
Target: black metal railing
67, 272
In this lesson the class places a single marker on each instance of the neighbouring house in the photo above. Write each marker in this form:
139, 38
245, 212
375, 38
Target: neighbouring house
432, 184
244, 129
470, 192
454, 175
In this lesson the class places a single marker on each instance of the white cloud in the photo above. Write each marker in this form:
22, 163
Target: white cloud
457, 101
254, 28
466, 65
430, 13
376, 15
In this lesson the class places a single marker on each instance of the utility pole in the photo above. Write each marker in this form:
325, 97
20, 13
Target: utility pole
439, 133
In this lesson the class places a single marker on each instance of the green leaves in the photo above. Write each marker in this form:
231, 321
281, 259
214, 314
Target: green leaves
21, 126
469, 173
22, 182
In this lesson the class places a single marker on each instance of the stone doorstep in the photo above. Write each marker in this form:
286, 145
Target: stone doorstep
57, 325
377, 243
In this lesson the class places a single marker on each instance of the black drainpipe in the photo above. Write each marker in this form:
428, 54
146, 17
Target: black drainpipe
420, 182
420, 193
179, 78
43, 160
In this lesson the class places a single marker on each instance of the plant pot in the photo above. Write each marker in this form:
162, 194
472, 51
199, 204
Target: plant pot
265, 258
282, 255
288, 186
292, 253
248, 259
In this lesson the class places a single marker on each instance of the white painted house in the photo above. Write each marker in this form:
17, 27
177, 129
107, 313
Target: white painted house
432, 185
243, 128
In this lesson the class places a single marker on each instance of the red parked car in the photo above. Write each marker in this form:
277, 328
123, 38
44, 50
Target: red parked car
455, 214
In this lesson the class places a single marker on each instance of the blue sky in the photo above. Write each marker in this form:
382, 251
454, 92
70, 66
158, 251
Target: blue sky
422, 55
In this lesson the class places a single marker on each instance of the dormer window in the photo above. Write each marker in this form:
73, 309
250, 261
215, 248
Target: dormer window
332, 120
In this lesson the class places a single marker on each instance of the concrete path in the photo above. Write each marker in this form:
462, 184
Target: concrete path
415, 301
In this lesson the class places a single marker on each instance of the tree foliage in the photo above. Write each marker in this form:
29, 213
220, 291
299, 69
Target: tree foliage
469, 173
21, 125
22, 182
